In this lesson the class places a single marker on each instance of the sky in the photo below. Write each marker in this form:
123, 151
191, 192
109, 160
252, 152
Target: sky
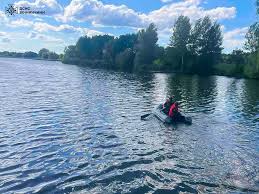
65, 21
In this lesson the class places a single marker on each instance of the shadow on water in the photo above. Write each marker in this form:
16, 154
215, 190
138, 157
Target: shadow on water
250, 100
196, 94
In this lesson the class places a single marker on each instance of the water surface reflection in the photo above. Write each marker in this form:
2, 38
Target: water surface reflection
65, 128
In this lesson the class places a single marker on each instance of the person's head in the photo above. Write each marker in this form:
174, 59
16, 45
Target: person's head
171, 98
176, 104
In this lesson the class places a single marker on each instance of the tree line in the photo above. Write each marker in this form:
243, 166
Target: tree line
193, 48
43, 54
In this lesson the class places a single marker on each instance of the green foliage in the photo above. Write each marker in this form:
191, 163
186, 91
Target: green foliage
172, 58
116, 47
194, 49
146, 48
124, 42
30, 54
205, 43
103, 50
11, 54
225, 69
92, 47
181, 34
180, 40
232, 64
43, 53
61, 57
239, 64
125, 59
53, 56
47, 55
252, 68
71, 55
237, 57
252, 38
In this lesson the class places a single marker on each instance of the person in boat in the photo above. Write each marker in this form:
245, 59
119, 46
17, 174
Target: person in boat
167, 105
174, 112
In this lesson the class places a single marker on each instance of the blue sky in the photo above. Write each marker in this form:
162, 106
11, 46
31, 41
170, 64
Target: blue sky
65, 21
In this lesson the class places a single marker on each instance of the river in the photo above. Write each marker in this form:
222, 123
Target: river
66, 128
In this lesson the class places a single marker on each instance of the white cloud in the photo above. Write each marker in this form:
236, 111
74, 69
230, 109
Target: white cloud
3, 17
2, 33
96, 12
166, 1
20, 23
44, 27
4, 37
234, 39
166, 15
51, 7
45, 38
100, 14
193, 1
238, 32
164, 36
220, 13
6, 40
39, 19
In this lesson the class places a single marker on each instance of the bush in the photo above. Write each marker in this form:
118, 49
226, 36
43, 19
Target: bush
227, 69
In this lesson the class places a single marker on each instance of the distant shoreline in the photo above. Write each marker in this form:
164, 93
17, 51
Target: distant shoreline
30, 58
155, 71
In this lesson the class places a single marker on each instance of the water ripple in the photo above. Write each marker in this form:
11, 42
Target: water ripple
66, 129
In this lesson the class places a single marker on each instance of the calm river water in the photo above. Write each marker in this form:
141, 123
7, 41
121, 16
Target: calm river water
65, 128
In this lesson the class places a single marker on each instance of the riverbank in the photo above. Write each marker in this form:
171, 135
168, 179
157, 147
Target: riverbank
30, 58
43, 54
217, 70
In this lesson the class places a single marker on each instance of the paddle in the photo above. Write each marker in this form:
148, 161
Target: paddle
145, 116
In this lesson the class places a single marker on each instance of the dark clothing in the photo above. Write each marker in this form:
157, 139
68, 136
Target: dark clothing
178, 117
166, 107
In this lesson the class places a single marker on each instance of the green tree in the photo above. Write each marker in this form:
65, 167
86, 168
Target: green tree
252, 38
237, 57
30, 55
252, 44
172, 59
61, 56
53, 56
43, 53
206, 43
71, 55
117, 46
124, 42
125, 60
92, 47
146, 48
181, 36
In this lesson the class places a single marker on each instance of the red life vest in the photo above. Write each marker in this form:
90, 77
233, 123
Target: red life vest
173, 110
